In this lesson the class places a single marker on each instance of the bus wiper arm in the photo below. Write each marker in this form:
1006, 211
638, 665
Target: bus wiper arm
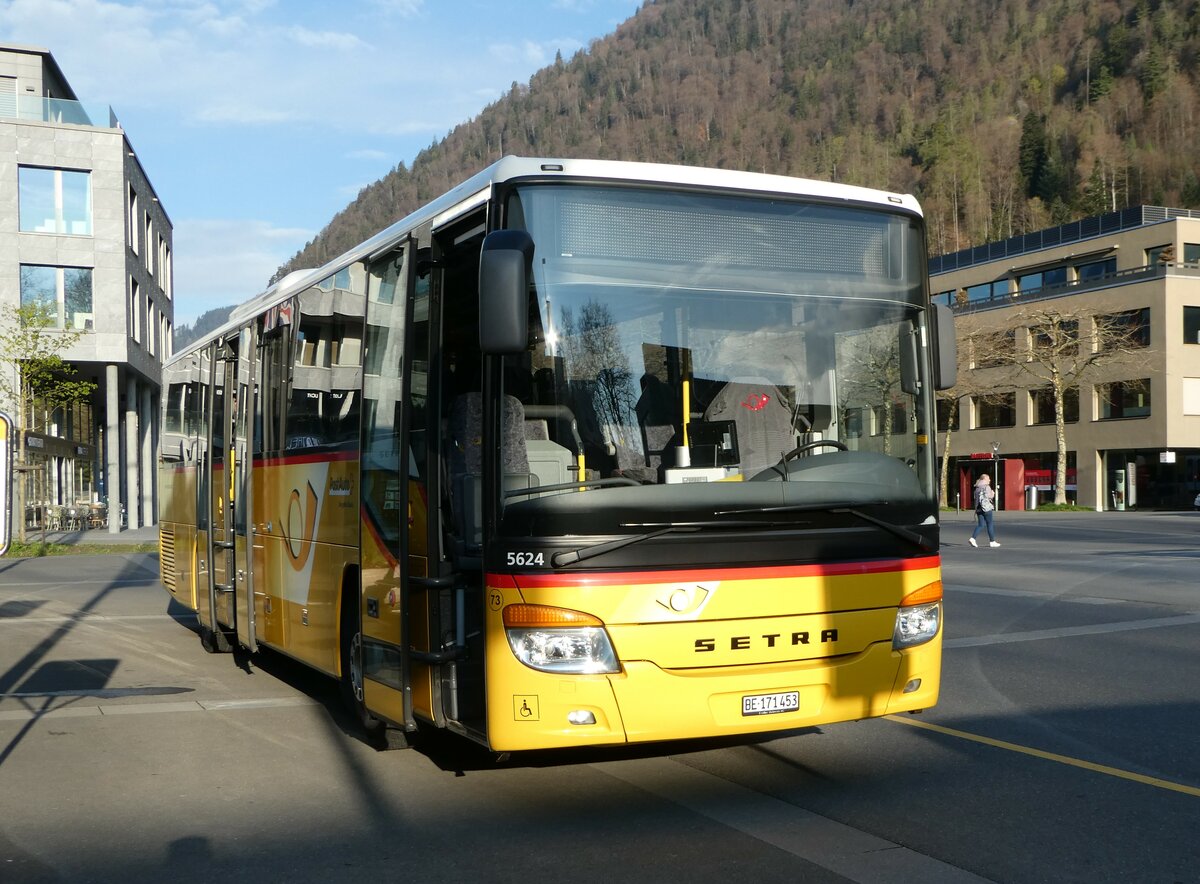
570, 557
898, 530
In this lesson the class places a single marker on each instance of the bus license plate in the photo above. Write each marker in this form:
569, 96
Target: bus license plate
768, 704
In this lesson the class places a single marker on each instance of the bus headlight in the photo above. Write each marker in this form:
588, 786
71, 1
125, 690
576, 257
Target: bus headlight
559, 640
919, 616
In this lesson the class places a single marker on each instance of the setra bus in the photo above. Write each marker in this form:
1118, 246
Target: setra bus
580, 453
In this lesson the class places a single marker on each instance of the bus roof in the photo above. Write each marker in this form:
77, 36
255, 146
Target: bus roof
475, 190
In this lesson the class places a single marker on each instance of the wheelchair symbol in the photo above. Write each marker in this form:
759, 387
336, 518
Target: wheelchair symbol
525, 708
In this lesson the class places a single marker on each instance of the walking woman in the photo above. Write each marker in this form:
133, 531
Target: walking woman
985, 510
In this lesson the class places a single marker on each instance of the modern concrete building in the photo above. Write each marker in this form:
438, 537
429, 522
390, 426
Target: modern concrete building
1133, 424
82, 232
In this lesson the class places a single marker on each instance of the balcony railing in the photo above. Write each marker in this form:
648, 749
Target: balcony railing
36, 109
1119, 277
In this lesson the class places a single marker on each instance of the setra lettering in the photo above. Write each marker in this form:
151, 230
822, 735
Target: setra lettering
770, 639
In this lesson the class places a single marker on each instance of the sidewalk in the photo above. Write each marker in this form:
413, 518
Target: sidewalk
95, 535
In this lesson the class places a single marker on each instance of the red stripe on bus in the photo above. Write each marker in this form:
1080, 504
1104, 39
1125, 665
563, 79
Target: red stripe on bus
771, 572
288, 460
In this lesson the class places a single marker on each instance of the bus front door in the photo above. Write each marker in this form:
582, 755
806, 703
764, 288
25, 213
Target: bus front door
376, 632
217, 617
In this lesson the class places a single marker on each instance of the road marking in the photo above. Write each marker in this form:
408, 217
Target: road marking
1041, 596
855, 855
76, 711
1070, 631
1050, 756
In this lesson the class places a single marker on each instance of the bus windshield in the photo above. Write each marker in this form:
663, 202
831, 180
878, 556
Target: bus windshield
692, 353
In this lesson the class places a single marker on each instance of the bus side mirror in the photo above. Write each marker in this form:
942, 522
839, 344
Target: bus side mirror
945, 359
504, 269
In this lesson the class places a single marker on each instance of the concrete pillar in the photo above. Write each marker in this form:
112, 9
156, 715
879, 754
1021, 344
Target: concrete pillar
112, 448
132, 452
146, 425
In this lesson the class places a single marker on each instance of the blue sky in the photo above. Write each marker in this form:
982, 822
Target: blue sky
258, 120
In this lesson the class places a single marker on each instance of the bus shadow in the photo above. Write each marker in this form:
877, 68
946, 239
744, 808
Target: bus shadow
456, 754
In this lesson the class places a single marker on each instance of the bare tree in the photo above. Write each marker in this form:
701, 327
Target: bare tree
969, 385
32, 371
594, 356
875, 381
1063, 347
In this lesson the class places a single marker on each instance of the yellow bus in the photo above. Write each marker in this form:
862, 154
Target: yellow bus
580, 453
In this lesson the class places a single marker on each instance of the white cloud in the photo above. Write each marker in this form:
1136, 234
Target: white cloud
338, 40
535, 53
402, 8
368, 154
219, 262
240, 113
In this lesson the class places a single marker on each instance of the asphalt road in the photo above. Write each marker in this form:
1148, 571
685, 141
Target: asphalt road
1063, 748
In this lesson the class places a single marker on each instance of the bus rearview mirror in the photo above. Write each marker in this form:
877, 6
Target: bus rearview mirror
504, 266
945, 361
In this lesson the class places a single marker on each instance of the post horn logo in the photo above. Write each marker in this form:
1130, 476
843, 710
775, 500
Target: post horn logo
299, 546
684, 600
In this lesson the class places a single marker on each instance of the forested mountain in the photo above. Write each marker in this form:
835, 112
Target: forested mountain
1002, 116
210, 320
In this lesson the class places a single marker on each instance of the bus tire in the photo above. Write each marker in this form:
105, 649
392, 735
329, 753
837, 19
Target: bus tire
351, 681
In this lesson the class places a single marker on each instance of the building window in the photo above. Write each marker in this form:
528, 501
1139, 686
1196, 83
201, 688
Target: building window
1096, 269
151, 330
944, 409
995, 410
880, 415
987, 291
1129, 328
1191, 325
133, 219
65, 293
149, 246
1191, 253
995, 349
1057, 338
166, 271
1030, 283
135, 311
163, 265
1122, 399
1041, 406
8, 97
1160, 255
853, 420
55, 201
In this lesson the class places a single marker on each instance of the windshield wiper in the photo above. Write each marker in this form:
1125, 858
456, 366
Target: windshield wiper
898, 530
570, 557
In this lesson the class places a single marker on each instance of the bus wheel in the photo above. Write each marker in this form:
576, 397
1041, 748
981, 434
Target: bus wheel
352, 678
